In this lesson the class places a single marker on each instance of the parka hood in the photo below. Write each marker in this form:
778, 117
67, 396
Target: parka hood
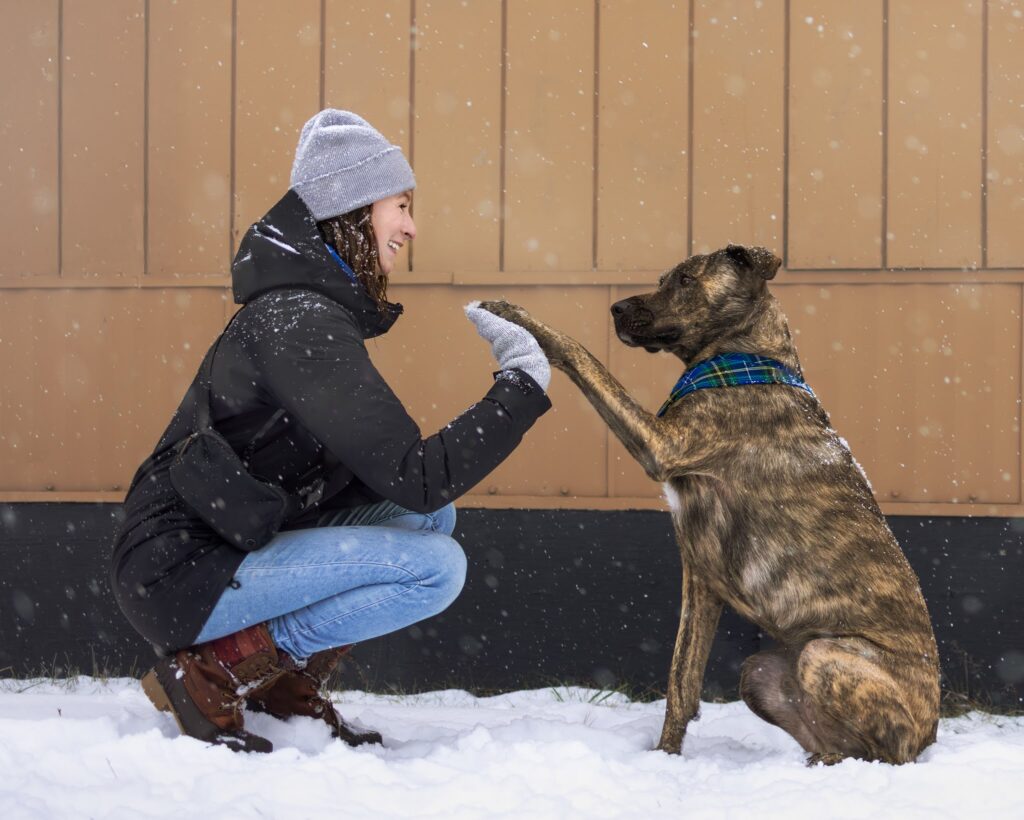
285, 250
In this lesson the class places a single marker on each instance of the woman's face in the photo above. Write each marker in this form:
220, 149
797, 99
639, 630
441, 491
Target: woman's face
393, 227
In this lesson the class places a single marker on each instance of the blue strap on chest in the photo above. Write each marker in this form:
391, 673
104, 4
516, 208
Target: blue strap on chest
731, 370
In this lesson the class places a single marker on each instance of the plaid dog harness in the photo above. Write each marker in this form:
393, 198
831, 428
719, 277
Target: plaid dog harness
732, 370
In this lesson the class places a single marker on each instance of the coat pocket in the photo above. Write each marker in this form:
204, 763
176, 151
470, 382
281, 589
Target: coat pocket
211, 479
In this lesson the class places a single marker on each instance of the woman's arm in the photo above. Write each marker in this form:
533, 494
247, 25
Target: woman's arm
316, 367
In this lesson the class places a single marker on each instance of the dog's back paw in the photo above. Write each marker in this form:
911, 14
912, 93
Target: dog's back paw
826, 758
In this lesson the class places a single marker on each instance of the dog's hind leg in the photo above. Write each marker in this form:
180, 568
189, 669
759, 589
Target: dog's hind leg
836, 699
698, 620
768, 685
861, 709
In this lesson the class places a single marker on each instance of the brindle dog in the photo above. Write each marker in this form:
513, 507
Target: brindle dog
773, 517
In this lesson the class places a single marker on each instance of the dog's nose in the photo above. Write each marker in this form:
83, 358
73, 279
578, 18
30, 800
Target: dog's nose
619, 308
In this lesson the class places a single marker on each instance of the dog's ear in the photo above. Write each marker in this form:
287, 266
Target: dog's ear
761, 260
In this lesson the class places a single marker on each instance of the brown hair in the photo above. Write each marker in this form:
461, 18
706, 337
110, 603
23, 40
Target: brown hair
351, 235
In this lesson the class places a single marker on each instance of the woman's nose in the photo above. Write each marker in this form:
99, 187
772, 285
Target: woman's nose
410, 229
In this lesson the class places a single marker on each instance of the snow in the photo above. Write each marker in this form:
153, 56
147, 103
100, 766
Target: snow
284, 245
88, 748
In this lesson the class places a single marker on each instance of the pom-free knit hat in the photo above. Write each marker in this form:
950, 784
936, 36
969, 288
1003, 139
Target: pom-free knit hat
342, 163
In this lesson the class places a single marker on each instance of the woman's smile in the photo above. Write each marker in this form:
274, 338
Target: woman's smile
392, 223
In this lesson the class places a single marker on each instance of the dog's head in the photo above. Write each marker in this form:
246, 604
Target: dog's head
702, 299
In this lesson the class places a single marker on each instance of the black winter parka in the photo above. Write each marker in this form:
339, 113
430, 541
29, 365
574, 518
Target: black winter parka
297, 345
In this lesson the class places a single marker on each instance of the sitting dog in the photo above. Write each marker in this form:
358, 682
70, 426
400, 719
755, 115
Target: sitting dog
772, 514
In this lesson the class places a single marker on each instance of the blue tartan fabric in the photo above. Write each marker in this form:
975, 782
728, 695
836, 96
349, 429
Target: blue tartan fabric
731, 370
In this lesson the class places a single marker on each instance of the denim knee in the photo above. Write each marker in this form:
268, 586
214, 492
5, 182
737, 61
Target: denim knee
444, 519
449, 568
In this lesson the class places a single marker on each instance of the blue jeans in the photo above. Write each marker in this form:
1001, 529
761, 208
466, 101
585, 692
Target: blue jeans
357, 574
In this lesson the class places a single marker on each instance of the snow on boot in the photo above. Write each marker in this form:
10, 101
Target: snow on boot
299, 691
204, 687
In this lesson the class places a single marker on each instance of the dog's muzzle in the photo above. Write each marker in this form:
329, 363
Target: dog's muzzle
630, 318
634, 322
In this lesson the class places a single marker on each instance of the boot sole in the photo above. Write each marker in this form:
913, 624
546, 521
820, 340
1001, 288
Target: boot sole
158, 695
155, 692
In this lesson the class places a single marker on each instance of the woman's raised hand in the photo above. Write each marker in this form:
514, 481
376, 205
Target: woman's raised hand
513, 347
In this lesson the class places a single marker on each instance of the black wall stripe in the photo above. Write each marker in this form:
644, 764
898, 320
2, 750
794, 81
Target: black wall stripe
552, 597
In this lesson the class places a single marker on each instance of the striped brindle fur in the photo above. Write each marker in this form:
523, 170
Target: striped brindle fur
773, 517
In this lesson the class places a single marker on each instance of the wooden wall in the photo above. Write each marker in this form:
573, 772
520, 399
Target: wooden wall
566, 152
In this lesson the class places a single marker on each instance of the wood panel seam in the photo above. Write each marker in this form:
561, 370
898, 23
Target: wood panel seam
323, 54
502, 138
233, 171
145, 138
786, 56
885, 136
60, 138
689, 127
580, 502
414, 36
597, 135
587, 278
984, 133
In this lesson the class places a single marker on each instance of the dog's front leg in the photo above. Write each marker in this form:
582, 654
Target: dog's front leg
698, 621
642, 433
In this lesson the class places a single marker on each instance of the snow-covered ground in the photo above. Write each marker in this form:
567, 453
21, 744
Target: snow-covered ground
94, 749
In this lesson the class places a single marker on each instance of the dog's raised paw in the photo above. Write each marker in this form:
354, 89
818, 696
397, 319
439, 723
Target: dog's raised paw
499, 307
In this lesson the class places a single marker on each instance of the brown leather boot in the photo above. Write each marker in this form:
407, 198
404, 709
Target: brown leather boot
204, 687
300, 692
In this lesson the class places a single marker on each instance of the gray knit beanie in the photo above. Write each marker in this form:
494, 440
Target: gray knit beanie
342, 163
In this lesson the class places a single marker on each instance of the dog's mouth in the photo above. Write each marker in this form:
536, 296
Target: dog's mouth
636, 326
652, 344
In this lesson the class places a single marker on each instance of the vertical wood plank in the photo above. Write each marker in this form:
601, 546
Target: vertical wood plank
907, 375
738, 124
934, 212
642, 166
189, 137
277, 88
835, 134
28, 140
366, 70
458, 135
85, 408
549, 136
103, 160
1005, 149
565, 452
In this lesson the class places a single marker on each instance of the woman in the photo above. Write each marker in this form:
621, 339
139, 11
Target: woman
367, 549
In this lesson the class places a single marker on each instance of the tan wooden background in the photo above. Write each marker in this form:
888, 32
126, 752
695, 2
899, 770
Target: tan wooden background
566, 152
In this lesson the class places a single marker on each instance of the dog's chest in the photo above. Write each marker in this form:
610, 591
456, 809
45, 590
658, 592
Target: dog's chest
697, 516
672, 497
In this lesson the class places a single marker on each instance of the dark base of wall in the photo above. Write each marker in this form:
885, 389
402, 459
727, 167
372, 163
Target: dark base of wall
552, 597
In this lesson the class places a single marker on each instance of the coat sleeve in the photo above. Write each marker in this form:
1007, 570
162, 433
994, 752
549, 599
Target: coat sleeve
316, 367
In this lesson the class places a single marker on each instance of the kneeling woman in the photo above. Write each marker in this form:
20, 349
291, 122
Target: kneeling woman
289, 385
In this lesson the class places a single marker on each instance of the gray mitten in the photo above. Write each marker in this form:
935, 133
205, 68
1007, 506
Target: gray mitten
512, 345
